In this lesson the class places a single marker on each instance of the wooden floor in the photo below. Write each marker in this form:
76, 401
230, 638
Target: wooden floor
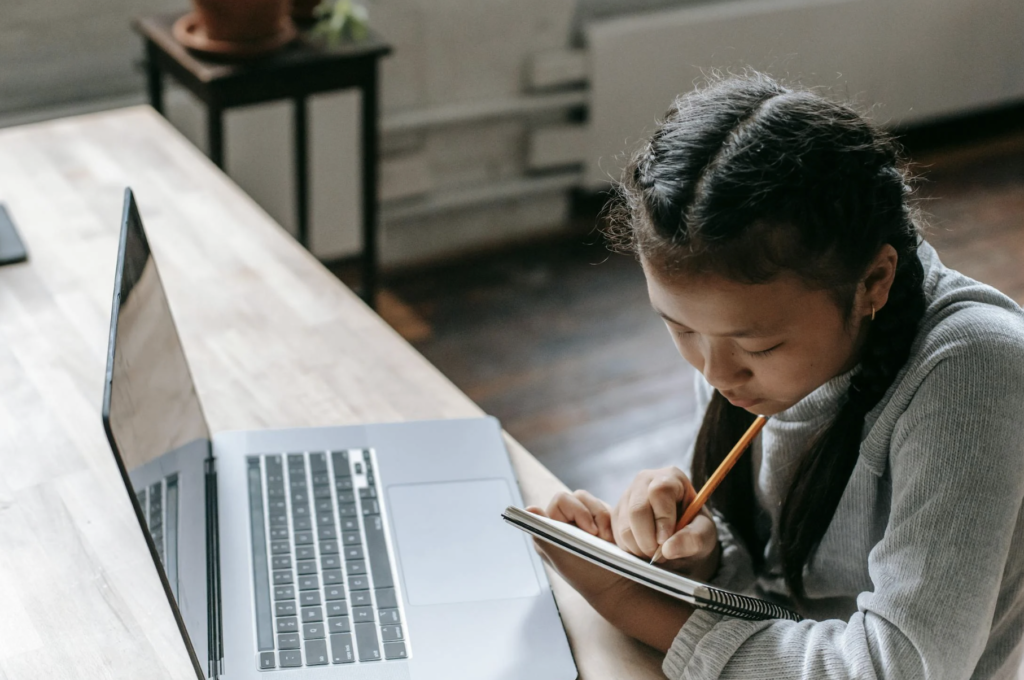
559, 342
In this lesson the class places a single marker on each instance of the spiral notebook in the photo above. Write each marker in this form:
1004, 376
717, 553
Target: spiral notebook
613, 558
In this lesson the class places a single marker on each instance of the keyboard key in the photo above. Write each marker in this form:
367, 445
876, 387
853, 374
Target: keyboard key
285, 608
377, 549
300, 511
305, 568
311, 631
330, 562
325, 520
390, 633
393, 650
309, 582
336, 608
261, 582
267, 660
321, 479
280, 548
288, 641
323, 505
368, 492
358, 583
369, 507
339, 460
353, 568
300, 497
354, 552
305, 552
278, 519
358, 467
341, 648
332, 577
278, 533
362, 614
347, 510
276, 505
350, 524
281, 562
309, 598
302, 524
338, 624
343, 484
291, 659
296, 460
386, 598
316, 652
326, 533
303, 537
318, 462
288, 624
321, 492
282, 578
366, 642
328, 547
360, 598
284, 593
346, 497
312, 614
389, 616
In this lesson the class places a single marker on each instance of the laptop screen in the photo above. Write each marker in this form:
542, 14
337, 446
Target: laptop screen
157, 429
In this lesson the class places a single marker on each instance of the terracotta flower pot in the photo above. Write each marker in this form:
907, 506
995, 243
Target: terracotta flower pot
241, 21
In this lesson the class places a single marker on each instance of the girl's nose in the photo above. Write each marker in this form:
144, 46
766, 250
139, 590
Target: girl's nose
722, 370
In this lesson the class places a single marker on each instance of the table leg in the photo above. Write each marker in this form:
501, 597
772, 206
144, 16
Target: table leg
154, 79
215, 134
369, 128
301, 171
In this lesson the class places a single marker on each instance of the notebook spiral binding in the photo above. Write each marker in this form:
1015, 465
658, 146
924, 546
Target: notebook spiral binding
741, 606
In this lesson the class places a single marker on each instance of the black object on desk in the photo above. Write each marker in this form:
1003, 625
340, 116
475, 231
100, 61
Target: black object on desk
12, 250
294, 72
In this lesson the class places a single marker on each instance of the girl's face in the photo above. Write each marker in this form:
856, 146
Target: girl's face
766, 346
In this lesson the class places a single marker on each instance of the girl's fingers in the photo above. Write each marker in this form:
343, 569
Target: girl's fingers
600, 511
536, 510
568, 508
641, 522
664, 494
696, 540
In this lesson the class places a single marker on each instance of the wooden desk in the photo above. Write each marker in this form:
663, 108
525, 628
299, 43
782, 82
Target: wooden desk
273, 339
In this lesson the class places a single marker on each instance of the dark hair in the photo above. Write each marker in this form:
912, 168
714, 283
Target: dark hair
746, 178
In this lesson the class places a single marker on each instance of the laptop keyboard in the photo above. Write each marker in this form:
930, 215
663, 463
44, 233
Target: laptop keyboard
324, 584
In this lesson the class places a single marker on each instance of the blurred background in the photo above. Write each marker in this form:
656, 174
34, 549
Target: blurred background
502, 123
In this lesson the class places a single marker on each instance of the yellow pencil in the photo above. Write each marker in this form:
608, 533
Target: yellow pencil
716, 479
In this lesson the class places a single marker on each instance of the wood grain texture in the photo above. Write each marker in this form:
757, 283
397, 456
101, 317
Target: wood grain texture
272, 338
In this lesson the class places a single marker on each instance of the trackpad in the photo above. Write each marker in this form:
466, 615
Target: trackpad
454, 546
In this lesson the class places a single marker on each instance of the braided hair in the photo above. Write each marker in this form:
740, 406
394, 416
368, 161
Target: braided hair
746, 178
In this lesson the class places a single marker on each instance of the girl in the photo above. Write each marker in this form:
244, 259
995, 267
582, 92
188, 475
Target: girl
883, 498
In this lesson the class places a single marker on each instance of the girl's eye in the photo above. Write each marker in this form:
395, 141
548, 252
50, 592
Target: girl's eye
764, 352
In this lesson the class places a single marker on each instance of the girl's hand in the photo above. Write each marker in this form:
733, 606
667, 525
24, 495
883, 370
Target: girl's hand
593, 515
645, 518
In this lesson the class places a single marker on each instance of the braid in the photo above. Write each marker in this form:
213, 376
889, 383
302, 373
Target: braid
823, 473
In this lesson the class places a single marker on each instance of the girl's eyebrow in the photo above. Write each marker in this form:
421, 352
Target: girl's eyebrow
741, 333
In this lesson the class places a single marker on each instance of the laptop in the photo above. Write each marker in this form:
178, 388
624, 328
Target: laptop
367, 551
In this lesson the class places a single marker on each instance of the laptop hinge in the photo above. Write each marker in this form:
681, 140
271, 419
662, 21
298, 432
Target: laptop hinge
215, 630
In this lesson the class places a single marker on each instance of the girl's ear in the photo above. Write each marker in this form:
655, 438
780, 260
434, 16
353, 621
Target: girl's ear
877, 281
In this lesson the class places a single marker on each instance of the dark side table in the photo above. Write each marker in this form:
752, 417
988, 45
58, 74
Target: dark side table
294, 72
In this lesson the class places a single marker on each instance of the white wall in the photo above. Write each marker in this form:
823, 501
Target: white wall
911, 59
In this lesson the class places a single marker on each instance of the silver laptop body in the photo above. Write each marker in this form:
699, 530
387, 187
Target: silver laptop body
367, 551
